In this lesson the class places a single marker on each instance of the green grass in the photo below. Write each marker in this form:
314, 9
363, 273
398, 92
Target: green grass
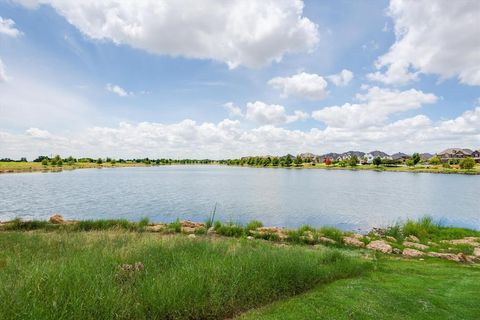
77, 275
398, 289
427, 229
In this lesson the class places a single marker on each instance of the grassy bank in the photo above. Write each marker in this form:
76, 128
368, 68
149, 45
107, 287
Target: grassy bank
398, 289
13, 167
136, 275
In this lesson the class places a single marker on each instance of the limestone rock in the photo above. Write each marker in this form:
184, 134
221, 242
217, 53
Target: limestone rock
471, 241
415, 245
192, 236
155, 228
189, 230
211, 230
250, 238
460, 257
327, 240
391, 239
412, 238
412, 253
56, 219
476, 252
380, 245
354, 242
396, 251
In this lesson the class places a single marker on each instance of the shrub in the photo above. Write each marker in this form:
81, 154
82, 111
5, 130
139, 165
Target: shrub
467, 163
175, 226
231, 230
44, 162
435, 160
410, 162
377, 161
254, 224
332, 233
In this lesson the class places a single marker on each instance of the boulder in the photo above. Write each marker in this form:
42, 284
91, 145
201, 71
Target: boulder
354, 242
56, 219
412, 238
476, 252
327, 240
415, 245
380, 245
280, 232
357, 236
412, 253
470, 241
391, 239
396, 251
192, 236
189, 230
155, 228
211, 230
250, 238
460, 257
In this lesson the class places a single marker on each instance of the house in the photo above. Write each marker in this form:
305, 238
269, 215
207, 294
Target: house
308, 157
400, 156
332, 156
347, 155
476, 155
426, 156
373, 154
454, 153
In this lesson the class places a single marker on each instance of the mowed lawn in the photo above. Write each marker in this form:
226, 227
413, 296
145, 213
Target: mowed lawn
135, 275
397, 289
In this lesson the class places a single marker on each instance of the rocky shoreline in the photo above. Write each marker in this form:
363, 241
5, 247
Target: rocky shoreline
465, 249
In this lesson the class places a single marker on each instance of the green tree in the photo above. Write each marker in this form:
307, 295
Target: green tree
435, 160
60, 163
377, 161
44, 162
353, 161
467, 163
416, 158
298, 161
275, 161
99, 161
410, 162
288, 161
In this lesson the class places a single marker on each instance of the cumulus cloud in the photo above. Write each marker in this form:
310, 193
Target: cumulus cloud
273, 114
3, 74
119, 91
233, 110
342, 78
7, 27
432, 37
236, 32
303, 85
373, 108
227, 139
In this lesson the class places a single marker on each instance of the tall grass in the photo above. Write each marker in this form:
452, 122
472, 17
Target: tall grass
427, 229
75, 275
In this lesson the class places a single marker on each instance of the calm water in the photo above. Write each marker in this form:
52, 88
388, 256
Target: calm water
283, 197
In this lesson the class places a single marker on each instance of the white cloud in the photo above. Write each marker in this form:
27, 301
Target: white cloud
274, 114
432, 37
233, 110
119, 91
227, 139
303, 85
237, 32
3, 74
342, 78
374, 108
7, 27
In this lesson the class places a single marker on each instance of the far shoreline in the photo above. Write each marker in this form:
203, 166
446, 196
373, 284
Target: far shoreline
35, 167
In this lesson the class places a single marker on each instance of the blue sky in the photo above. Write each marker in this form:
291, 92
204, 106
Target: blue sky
151, 78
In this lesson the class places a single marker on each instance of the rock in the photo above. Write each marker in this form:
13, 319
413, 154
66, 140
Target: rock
327, 240
476, 252
380, 245
460, 257
415, 245
396, 251
354, 242
412, 238
471, 241
155, 228
378, 232
192, 236
211, 230
412, 253
250, 238
391, 239
56, 219
188, 230
308, 235
280, 232
358, 236
191, 224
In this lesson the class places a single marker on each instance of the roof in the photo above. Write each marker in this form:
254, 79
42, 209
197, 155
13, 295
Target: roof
455, 151
378, 153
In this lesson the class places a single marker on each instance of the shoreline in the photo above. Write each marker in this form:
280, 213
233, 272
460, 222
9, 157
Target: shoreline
37, 167
412, 239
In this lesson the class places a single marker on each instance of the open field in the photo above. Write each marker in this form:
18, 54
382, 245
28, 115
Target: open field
130, 275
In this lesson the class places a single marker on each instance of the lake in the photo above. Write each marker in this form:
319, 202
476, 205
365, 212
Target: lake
350, 200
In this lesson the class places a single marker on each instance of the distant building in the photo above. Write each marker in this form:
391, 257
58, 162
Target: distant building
476, 155
400, 156
454, 153
308, 157
374, 154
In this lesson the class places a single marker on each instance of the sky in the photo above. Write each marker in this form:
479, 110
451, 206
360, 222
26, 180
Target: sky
223, 79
